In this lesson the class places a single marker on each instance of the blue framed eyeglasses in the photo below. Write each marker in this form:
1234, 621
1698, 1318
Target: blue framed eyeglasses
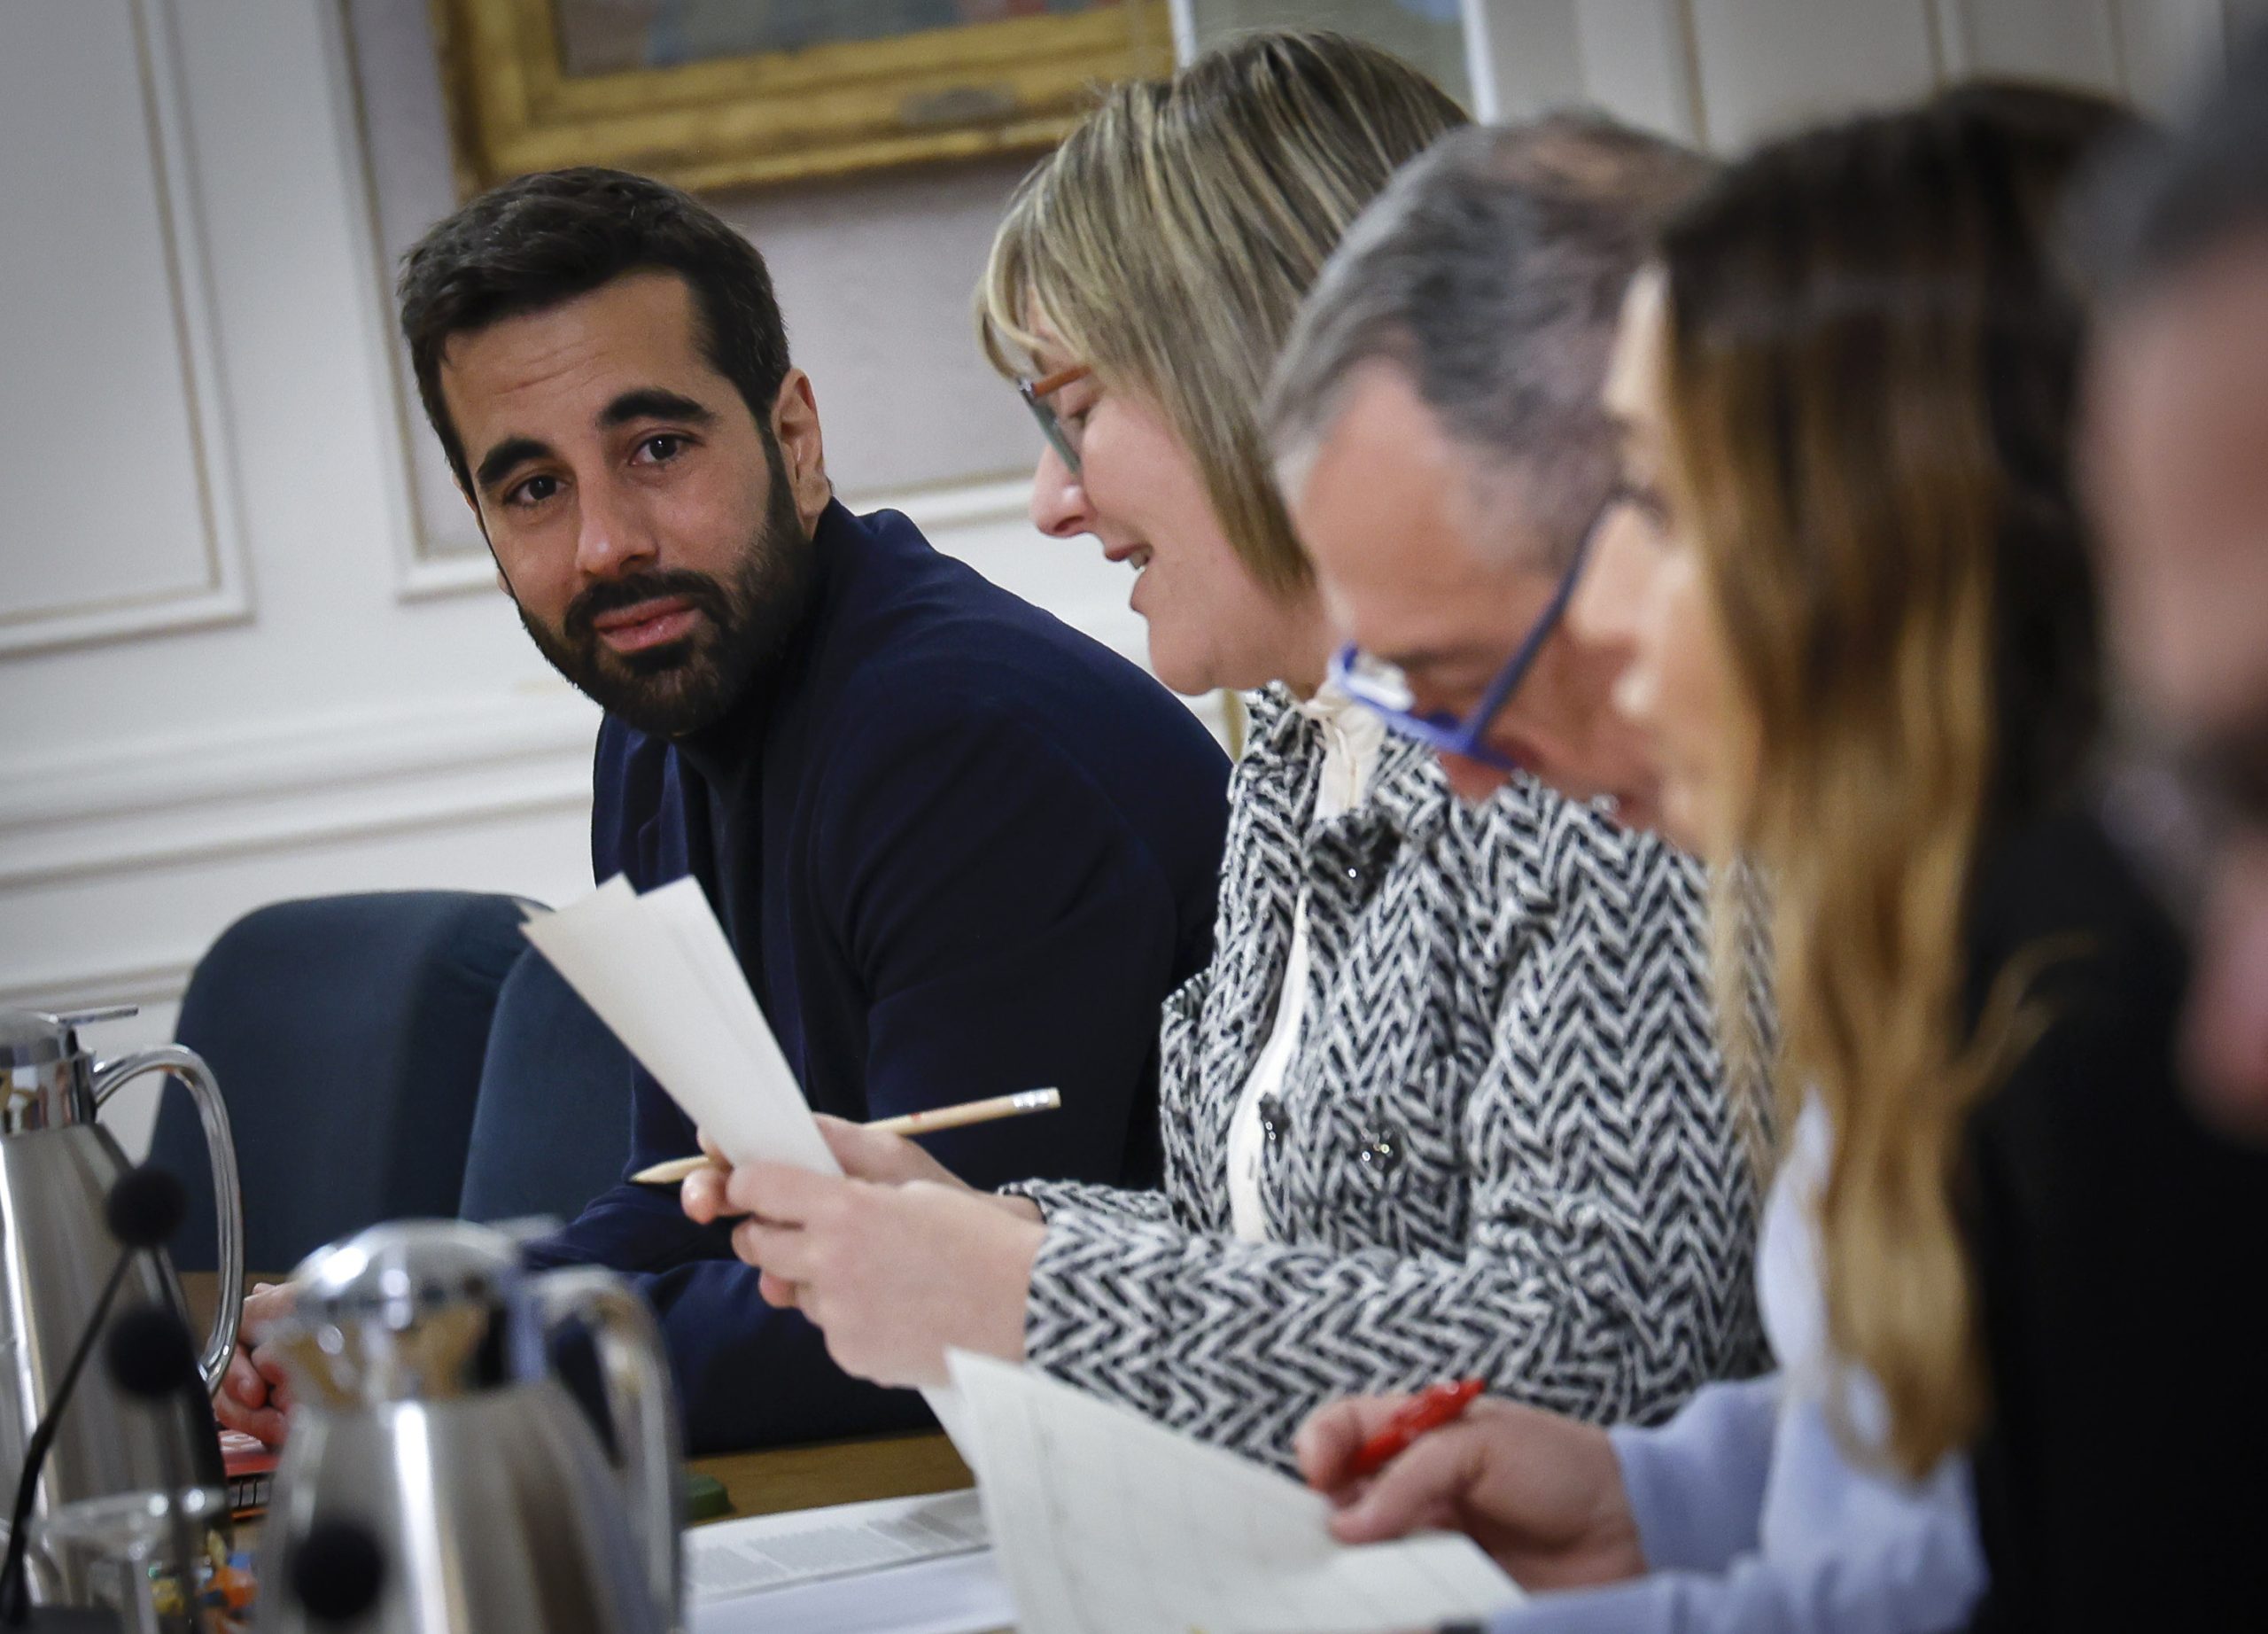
1382, 689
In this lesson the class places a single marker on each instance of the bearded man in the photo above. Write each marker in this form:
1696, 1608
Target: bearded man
959, 849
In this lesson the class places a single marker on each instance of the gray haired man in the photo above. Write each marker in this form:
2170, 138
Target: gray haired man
1436, 422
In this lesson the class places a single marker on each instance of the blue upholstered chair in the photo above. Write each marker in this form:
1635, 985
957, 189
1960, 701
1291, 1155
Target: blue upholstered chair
552, 1129
346, 1034
396, 1053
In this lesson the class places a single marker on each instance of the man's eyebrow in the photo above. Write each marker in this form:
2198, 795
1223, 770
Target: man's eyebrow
652, 403
499, 461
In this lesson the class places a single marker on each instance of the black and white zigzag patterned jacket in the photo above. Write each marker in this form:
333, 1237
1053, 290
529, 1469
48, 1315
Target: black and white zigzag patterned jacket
1501, 1149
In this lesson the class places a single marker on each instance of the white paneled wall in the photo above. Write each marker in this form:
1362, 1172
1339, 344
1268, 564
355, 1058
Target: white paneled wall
218, 687
1721, 73
114, 259
213, 695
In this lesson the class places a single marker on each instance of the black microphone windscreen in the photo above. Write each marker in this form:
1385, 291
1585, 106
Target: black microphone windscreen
149, 1353
145, 1207
338, 1569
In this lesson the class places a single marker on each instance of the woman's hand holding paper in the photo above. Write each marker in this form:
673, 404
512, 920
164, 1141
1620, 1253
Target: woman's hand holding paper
865, 1154
893, 1274
872, 1154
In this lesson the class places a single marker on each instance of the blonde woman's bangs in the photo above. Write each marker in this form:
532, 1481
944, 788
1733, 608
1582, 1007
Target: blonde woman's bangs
1041, 289
1168, 243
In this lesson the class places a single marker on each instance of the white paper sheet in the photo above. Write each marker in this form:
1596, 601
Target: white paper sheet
1105, 1523
659, 972
769, 1552
961, 1595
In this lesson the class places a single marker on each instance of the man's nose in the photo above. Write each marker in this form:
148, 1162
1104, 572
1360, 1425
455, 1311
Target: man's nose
1059, 498
614, 538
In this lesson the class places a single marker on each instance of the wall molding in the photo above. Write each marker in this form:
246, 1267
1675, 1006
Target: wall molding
316, 781
145, 986
71, 832
430, 561
225, 596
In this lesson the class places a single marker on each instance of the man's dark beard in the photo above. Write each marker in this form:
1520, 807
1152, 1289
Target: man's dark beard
675, 689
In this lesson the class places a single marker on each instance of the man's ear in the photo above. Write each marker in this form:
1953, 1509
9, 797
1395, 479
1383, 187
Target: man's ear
795, 426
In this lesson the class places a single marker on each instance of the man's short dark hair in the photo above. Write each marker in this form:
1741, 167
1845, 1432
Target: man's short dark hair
1492, 271
539, 240
2170, 200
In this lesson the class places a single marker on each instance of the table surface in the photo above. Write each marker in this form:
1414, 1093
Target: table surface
780, 1478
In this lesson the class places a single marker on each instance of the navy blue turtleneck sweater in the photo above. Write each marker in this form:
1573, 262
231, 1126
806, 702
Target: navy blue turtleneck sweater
960, 850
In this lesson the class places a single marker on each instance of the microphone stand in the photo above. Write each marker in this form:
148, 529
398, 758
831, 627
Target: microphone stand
158, 1337
15, 1594
143, 1210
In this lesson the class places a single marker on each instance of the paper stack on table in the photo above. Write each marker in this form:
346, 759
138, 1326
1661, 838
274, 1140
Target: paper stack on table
1105, 1523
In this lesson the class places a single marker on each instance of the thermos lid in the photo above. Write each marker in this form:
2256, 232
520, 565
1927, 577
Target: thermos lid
31, 1039
403, 1271
409, 1310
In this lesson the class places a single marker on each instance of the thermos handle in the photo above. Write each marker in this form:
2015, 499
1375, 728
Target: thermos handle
642, 1405
228, 1192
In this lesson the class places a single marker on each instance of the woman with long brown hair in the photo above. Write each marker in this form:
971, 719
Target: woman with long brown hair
1865, 649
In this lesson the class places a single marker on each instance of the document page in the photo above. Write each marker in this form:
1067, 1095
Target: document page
899, 1566
959, 1594
659, 972
735, 1557
1105, 1523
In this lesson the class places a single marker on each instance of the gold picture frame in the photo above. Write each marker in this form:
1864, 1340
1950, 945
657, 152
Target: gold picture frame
991, 86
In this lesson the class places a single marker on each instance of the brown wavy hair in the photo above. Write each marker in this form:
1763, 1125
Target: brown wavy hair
1870, 370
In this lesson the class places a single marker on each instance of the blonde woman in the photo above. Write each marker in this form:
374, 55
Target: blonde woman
1444, 1104
1865, 641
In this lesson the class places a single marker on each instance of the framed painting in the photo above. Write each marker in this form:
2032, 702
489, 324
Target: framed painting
723, 93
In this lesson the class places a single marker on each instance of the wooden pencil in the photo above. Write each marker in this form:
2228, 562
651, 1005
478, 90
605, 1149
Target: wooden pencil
1018, 1105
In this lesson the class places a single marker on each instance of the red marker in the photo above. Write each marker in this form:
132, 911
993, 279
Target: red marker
1428, 1410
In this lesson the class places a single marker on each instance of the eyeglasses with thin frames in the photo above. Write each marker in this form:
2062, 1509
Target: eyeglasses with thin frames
1382, 688
1036, 394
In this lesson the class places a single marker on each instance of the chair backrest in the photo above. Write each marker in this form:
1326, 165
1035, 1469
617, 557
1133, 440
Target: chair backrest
552, 1128
346, 1034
